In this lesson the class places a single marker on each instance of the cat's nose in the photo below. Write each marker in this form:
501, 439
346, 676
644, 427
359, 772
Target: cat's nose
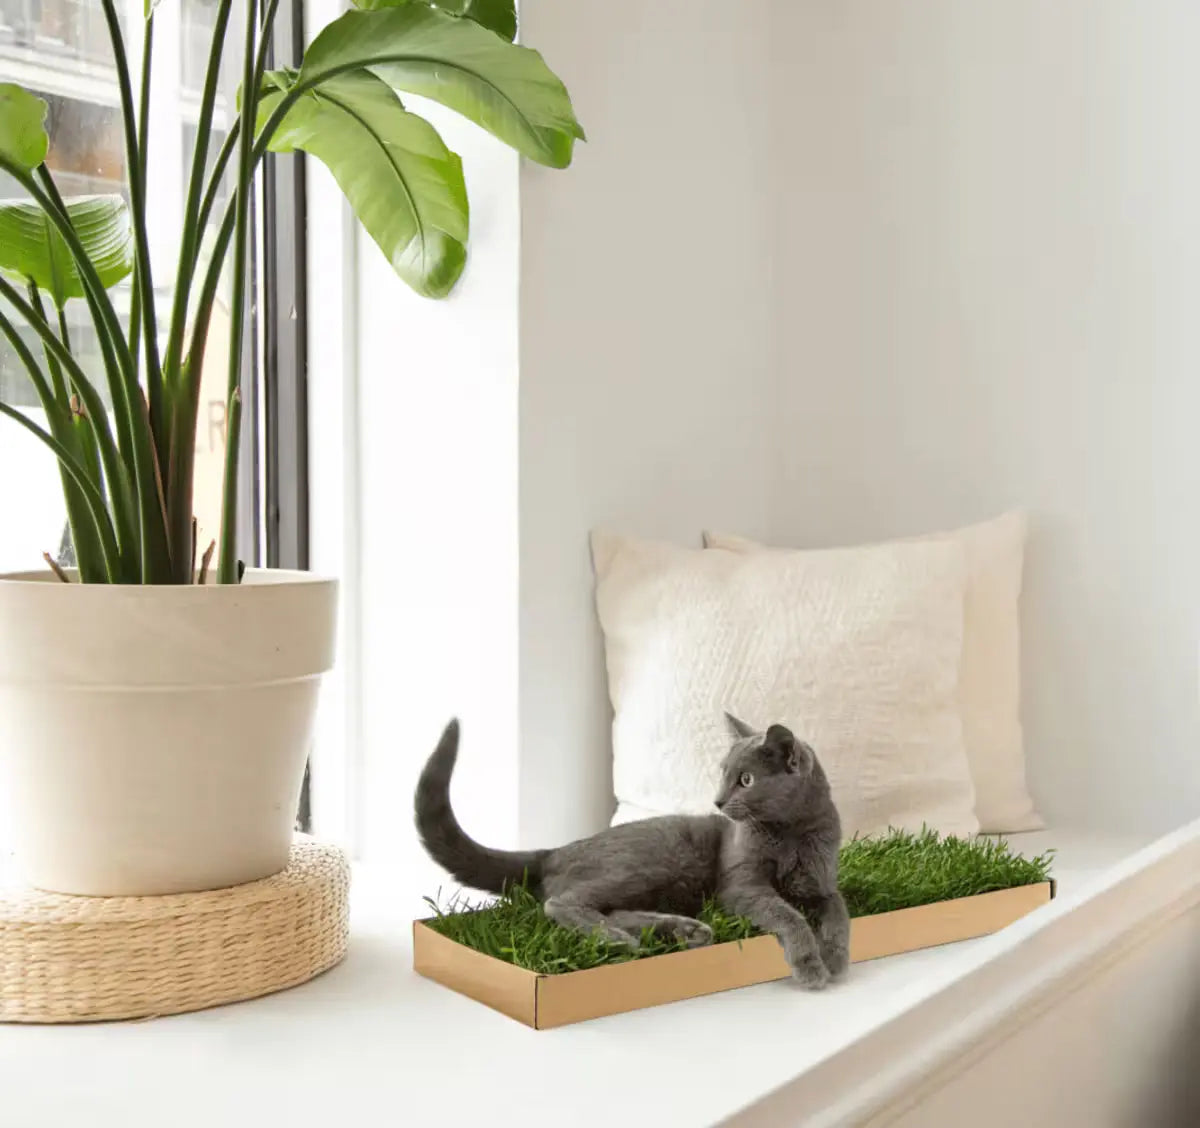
719, 804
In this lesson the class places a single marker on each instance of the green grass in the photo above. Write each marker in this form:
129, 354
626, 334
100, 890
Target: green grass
902, 870
899, 870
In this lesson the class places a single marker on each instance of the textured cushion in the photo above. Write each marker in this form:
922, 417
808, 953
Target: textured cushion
857, 650
990, 678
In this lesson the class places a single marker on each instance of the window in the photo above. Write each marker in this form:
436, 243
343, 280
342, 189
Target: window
60, 50
88, 158
71, 31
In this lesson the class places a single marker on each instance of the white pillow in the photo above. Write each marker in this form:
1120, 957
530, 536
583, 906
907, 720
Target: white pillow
990, 678
856, 650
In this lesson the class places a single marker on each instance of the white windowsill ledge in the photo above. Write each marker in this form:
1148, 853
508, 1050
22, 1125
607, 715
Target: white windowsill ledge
371, 1042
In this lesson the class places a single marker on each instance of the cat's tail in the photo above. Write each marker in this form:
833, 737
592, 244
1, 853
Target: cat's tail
449, 845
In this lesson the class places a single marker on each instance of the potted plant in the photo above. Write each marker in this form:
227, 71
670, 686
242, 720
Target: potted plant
156, 704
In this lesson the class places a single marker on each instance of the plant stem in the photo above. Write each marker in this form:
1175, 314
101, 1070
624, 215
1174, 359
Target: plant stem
55, 568
135, 321
227, 561
268, 18
44, 392
95, 502
120, 470
218, 174
186, 407
143, 130
138, 448
89, 450
58, 351
185, 397
193, 223
88, 545
205, 561
113, 467
56, 376
181, 460
231, 138
64, 334
137, 207
212, 276
155, 464
227, 564
225, 233
197, 214
181, 430
118, 362
53, 346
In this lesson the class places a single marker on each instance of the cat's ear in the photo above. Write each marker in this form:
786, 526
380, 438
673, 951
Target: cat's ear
738, 729
801, 758
795, 752
779, 736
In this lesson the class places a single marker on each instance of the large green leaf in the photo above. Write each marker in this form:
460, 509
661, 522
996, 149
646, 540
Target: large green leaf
31, 249
405, 186
499, 16
506, 89
23, 137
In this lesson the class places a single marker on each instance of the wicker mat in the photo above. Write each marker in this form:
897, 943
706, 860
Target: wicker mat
83, 959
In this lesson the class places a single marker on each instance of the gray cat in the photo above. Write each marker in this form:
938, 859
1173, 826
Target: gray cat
771, 851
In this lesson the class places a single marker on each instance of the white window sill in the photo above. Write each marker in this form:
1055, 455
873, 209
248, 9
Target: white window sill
371, 1042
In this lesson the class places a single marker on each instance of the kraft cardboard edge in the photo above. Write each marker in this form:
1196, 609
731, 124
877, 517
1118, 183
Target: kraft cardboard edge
618, 988
502, 986
945, 922
547, 1001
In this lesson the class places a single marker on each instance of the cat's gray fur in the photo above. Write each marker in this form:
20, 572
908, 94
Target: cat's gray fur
772, 851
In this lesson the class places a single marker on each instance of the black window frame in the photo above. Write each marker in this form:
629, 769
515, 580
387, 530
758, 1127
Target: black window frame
284, 327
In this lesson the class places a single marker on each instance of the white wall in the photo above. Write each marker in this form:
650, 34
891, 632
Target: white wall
646, 384
990, 217
645, 396
824, 273
437, 544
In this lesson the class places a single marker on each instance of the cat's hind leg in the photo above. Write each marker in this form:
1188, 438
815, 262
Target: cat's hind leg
692, 932
572, 912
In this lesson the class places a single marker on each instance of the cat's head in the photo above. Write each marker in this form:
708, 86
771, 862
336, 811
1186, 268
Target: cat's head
767, 777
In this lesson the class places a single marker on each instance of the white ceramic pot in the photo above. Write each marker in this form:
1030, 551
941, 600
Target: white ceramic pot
153, 739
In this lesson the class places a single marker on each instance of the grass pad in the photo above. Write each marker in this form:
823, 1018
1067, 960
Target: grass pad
899, 870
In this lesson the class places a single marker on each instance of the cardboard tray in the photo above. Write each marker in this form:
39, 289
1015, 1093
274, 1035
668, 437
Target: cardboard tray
546, 1001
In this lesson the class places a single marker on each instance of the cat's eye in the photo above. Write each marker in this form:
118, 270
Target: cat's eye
746, 779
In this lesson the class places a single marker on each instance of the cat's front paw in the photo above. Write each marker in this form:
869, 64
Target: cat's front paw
837, 961
810, 972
